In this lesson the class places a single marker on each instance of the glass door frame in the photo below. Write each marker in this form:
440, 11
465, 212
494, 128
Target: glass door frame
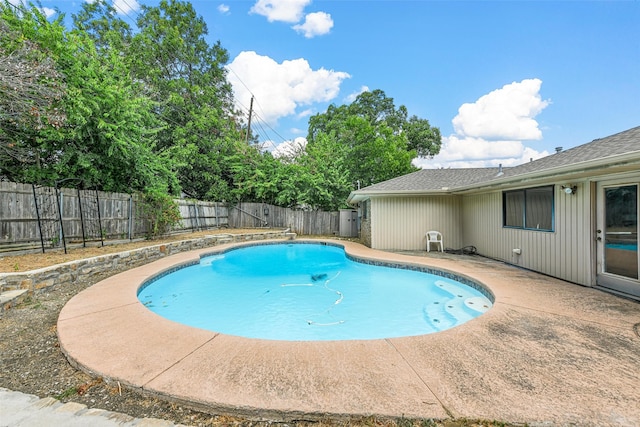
606, 279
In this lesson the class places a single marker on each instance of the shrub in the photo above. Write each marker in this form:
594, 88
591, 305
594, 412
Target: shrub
160, 213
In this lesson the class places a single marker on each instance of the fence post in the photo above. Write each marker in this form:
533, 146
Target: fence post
192, 216
84, 242
99, 219
35, 199
59, 197
195, 206
130, 216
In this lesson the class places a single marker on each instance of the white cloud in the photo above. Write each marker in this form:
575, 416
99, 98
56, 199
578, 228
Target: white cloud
464, 152
223, 8
455, 148
491, 130
124, 7
279, 88
315, 24
47, 11
280, 10
290, 149
305, 113
506, 113
352, 96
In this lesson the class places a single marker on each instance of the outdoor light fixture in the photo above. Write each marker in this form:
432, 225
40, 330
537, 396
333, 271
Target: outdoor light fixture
569, 189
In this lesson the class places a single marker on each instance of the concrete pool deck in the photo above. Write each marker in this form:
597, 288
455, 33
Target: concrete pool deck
548, 352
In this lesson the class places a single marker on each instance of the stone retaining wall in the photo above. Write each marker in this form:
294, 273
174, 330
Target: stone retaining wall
40, 280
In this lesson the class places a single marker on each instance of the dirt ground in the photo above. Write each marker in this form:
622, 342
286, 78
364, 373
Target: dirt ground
31, 360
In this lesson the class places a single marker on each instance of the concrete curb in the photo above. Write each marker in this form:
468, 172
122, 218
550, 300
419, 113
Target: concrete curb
20, 409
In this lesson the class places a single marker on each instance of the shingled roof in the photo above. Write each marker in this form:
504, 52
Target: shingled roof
433, 180
599, 151
619, 144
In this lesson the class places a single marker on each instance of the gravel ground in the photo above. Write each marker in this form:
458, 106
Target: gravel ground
31, 362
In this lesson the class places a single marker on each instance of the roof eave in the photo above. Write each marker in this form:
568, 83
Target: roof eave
556, 172
620, 159
362, 195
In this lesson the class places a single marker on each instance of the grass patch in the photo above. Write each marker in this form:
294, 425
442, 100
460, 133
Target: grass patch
71, 391
30, 302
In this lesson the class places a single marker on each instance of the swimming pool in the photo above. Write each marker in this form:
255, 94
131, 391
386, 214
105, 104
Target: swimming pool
311, 292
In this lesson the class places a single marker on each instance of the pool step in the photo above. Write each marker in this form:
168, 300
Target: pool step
445, 314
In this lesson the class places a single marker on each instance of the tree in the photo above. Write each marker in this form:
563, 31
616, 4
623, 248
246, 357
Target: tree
30, 91
326, 182
379, 141
187, 79
107, 137
422, 137
100, 22
376, 108
348, 146
185, 76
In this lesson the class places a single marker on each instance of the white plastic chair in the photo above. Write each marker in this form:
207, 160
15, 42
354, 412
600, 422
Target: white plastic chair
434, 237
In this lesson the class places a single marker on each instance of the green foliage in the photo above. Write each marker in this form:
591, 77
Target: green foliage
100, 22
326, 182
422, 138
31, 88
152, 112
160, 213
71, 391
108, 134
187, 79
377, 140
349, 146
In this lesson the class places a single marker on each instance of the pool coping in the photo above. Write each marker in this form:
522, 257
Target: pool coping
509, 364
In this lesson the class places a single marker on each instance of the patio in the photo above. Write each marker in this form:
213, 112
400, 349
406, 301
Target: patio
547, 352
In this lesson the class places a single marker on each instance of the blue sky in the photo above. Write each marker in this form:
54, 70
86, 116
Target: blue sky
505, 81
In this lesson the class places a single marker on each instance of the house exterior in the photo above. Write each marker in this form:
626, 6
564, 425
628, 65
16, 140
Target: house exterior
571, 215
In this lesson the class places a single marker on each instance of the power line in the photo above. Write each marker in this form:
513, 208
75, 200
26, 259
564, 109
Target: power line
256, 116
117, 7
239, 79
228, 68
249, 122
283, 139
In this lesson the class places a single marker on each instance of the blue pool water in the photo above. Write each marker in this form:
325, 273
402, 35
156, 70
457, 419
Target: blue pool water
307, 292
623, 246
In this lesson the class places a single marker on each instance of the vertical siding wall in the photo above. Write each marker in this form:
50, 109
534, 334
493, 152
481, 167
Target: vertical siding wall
564, 253
401, 222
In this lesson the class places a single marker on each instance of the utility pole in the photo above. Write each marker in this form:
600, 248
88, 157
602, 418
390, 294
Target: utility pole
250, 113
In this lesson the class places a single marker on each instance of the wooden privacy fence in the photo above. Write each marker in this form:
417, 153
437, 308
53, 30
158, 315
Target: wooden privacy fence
303, 222
34, 216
